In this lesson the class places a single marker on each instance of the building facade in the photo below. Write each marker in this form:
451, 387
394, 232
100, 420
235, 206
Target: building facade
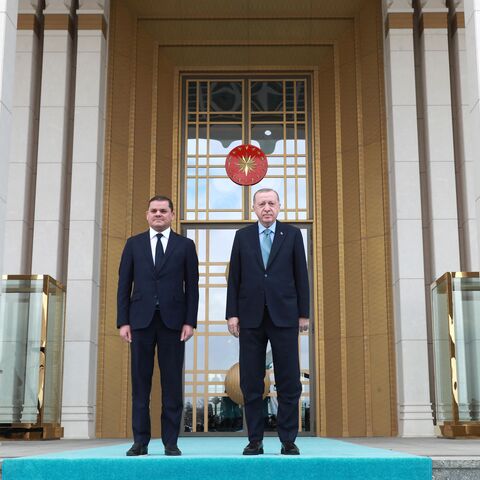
369, 114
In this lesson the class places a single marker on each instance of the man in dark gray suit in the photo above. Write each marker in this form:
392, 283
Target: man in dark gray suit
268, 299
157, 305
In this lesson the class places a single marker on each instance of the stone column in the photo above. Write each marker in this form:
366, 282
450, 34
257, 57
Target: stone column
8, 27
438, 165
13, 349
84, 251
472, 114
464, 154
23, 154
414, 408
50, 236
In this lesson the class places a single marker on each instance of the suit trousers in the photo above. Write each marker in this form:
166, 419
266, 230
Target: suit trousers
170, 355
284, 343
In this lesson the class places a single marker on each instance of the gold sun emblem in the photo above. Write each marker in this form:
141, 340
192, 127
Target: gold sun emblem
247, 164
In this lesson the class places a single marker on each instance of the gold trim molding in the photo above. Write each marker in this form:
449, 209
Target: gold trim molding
399, 20
92, 21
433, 20
27, 21
57, 21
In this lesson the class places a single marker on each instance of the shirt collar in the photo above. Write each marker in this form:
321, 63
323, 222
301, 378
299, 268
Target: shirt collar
272, 227
165, 233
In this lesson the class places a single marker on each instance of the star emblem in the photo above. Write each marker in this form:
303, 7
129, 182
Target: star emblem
247, 164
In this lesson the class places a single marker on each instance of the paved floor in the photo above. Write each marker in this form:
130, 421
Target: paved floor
436, 448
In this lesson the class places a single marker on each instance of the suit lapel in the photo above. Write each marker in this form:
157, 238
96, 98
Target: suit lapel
256, 241
147, 248
280, 234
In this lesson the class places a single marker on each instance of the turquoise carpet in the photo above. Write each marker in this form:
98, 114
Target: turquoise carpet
219, 458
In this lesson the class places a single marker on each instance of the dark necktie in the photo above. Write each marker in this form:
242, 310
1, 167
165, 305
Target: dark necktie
159, 251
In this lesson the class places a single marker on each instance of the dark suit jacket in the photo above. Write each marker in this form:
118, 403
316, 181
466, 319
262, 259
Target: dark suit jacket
173, 284
282, 286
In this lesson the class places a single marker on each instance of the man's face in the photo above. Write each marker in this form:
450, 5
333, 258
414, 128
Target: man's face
266, 207
159, 215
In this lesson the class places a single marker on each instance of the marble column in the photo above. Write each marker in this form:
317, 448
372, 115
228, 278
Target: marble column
438, 163
414, 407
13, 349
464, 154
8, 27
50, 235
23, 154
84, 250
472, 43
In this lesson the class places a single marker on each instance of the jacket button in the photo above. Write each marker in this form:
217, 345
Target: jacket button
266, 275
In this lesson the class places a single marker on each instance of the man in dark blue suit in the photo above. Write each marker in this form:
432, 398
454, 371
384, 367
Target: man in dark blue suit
157, 305
268, 299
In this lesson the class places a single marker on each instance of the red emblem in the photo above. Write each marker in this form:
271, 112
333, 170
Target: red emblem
246, 165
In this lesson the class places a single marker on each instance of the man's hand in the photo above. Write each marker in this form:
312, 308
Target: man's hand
126, 333
187, 333
303, 324
234, 326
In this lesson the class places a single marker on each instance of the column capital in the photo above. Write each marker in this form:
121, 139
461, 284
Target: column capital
433, 6
457, 5
28, 7
398, 6
398, 15
56, 7
91, 15
95, 7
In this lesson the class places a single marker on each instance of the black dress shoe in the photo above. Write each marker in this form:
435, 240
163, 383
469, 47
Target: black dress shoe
253, 448
137, 449
172, 451
289, 448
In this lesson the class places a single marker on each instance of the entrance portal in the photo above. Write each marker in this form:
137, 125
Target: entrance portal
219, 114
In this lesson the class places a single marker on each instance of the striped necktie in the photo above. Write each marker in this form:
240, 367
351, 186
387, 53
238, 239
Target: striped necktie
266, 245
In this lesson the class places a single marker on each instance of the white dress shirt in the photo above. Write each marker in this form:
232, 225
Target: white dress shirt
272, 228
154, 240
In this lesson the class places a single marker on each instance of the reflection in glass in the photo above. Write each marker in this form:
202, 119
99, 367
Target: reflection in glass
223, 138
263, 113
216, 302
300, 95
31, 352
271, 101
224, 194
203, 97
463, 294
466, 312
271, 143
222, 352
226, 117
192, 96
290, 139
52, 396
289, 95
226, 96
202, 193
266, 96
221, 241
192, 140
200, 351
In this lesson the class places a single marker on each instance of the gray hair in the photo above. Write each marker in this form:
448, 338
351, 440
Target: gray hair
265, 190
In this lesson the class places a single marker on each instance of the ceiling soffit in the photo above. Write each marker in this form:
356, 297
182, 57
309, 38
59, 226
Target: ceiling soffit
221, 9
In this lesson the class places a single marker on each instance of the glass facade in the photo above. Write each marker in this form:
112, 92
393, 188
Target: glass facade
456, 346
32, 310
220, 114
